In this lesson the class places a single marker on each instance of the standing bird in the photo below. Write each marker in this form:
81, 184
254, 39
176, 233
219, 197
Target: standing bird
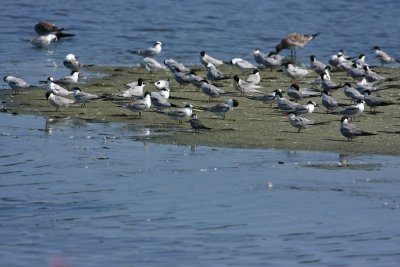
211, 90
266, 98
350, 131
180, 113
352, 93
197, 125
254, 78
172, 64
296, 93
152, 65
354, 110
140, 105
15, 83
245, 87
317, 66
69, 79
294, 72
150, 51
215, 74
205, 59
329, 102
83, 97
242, 64
44, 27
373, 102
270, 61
383, 57
55, 88
328, 85
302, 123
58, 101
222, 108
371, 76
136, 91
294, 40
160, 84
160, 99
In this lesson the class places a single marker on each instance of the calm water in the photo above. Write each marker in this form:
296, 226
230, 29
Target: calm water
93, 195
225, 29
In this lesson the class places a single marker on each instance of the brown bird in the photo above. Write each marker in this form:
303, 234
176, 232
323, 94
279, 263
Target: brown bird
44, 27
197, 125
293, 41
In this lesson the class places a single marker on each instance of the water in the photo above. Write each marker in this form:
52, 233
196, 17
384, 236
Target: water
93, 195
225, 29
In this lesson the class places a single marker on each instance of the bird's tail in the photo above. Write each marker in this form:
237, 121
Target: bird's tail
63, 34
366, 133
315, 35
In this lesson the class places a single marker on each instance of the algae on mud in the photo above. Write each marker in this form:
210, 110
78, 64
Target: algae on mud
252, 124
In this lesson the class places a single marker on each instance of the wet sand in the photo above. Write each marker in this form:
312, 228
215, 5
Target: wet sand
251, 125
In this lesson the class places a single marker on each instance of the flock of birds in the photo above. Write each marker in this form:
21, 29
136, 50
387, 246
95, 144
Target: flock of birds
360, 95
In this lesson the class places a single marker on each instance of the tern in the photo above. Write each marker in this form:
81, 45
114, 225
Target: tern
302, 123
159, 101
43, 40
352, 93
317, 66
135, 91
71, 62
180, 113
150, 51
296, 93
15, 83
353, 110
245, 87
294, 72
173, 64
196, 124
162, 84
58, 101
222, 108
373, 102
211, 90
152, 65
205, 59
328, 85
268, 98
242, 64
329, 102
55, 88
351, 131
83, 97
383, 57
254, 78
215, 74
140, 105
69, 79
270, 61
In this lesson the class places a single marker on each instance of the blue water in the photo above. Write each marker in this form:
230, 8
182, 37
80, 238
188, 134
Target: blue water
93, 195
225, 29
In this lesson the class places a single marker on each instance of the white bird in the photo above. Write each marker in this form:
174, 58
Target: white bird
72, 63
215, 74
162, 84
173, 64
268, 98
180, 113
329, 102
55, 88
152, 65
356, 72
255, 77
270, 61
363, 86
383, 57
245, 87
83, 97
294, 72
140, 105
328, 85
371, 76
317, 66
58, 101
354, 110
350, 131
211, 90
15, 83
136, 91
293, 41
69, 79
150, 51
301, 122
343, 63
222, 108
205, 59
352, 93
43, 40
296, 93
242, 64
159, 100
